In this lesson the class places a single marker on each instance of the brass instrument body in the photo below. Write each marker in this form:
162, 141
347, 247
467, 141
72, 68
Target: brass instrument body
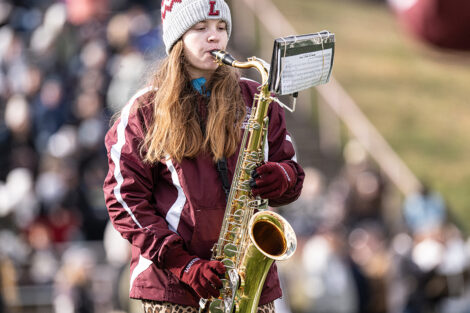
249, 242
272, 239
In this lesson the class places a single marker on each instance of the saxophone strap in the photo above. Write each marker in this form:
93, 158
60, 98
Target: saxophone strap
223, 174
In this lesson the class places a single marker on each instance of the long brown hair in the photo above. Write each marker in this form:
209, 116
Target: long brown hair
176, 130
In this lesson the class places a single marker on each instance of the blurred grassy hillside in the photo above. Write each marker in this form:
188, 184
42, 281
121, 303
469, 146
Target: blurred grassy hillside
417, 97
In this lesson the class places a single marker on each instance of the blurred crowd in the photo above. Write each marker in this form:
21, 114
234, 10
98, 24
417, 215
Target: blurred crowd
361, 250
65, 68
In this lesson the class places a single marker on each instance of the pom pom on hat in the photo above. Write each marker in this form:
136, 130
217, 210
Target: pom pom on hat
178, 16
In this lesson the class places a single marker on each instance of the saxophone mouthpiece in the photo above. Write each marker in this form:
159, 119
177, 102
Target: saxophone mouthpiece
223, 57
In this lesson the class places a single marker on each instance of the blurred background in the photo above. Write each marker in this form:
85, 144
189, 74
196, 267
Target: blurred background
383, 219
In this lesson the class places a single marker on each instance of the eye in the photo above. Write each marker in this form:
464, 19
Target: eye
222, 26
199, 26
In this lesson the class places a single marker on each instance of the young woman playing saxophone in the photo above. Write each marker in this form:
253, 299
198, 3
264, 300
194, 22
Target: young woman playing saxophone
163, 191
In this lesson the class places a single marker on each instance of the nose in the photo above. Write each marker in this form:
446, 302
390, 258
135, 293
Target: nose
214, 36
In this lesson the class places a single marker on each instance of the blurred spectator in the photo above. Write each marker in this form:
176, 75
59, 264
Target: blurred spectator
73, 292
8, 283
16, 137
118, 254
307, 213
424, 211
368, 246
366, 187
442, 23
430, 273
329, 282
43, 261
82, 11
17, 198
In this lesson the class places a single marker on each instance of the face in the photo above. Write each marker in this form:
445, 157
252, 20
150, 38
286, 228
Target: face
199, 41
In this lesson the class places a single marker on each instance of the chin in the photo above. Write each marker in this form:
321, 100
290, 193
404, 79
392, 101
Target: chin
211, 67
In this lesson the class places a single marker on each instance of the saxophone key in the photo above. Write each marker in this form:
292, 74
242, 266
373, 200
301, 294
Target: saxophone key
228, 264
216, 306
230, 250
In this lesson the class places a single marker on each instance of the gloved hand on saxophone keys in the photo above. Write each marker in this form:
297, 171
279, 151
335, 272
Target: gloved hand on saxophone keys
272, 179
202, 276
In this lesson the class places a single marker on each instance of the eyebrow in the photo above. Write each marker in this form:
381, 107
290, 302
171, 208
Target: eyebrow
205, 22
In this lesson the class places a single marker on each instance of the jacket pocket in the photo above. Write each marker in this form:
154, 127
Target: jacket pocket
206, 231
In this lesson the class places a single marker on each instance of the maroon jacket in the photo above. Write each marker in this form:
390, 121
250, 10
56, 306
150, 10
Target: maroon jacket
161, 206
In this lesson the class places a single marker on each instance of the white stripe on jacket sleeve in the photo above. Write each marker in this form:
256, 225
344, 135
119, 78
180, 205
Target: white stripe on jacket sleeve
174, 214
139, 269
117, 148
288, 138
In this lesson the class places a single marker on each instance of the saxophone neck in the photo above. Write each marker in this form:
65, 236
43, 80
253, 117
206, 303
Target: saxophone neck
223, 57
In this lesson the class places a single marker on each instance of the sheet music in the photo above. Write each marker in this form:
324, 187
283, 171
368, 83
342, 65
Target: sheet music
300, 62
302, 71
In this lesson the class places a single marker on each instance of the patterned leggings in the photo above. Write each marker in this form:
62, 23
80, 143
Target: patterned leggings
167, 307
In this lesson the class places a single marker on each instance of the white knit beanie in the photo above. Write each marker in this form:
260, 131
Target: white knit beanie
180, 15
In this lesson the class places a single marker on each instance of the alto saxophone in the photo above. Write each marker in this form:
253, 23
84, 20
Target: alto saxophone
249, 242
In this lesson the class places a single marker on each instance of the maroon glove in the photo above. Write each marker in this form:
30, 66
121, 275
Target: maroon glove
272, 179
201, 275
